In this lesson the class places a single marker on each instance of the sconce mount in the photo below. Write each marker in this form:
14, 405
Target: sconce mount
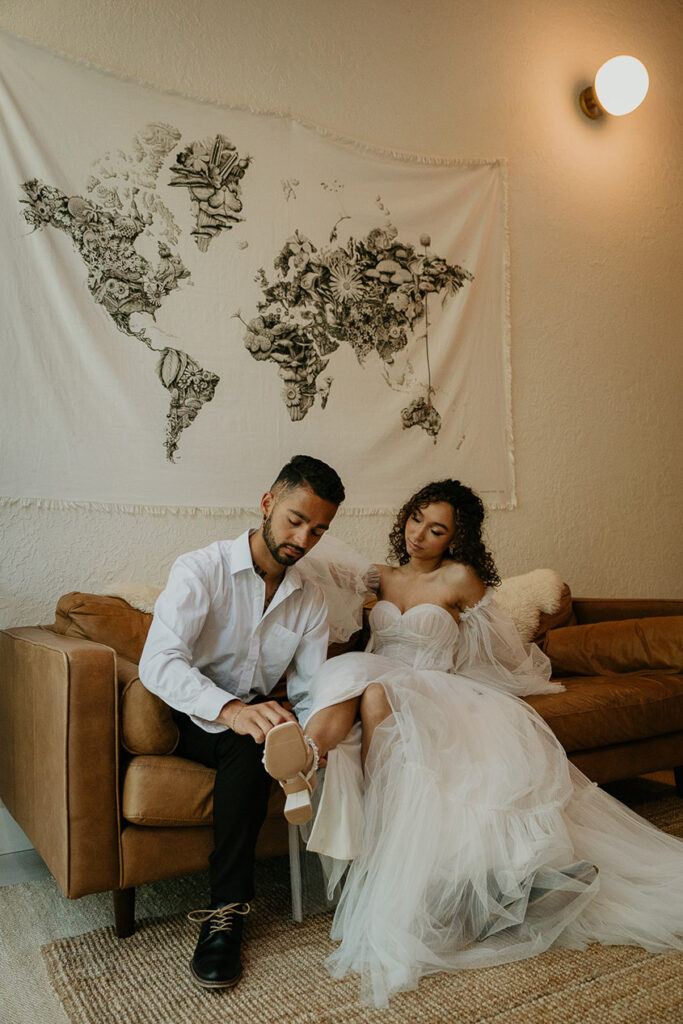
589, 103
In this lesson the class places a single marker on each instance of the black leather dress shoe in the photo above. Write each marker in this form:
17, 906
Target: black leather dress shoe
216, 962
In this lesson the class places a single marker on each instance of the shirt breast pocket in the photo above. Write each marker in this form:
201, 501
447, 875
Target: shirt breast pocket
278, 647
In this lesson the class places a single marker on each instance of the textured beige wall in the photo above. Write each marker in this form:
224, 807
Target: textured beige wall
595, 229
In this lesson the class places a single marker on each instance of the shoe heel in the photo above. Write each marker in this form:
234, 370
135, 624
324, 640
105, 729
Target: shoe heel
298, 808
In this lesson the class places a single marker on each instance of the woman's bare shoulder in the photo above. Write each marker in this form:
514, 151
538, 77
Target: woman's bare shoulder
465, 586
385, 574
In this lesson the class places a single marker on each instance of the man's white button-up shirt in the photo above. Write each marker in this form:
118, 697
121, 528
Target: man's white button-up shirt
211, 641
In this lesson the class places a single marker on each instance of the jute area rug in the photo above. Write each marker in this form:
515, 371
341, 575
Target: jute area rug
145, 979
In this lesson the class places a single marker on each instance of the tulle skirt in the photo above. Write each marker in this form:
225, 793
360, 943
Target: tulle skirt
471, 840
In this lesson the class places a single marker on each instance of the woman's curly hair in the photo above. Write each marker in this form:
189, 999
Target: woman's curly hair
468, 512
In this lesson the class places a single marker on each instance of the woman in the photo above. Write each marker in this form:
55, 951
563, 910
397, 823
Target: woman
472, 840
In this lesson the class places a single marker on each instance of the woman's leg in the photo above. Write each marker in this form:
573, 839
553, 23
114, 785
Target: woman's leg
290, 760
374, 708
331, 725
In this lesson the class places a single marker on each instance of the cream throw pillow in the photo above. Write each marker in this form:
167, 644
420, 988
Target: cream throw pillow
141, 596
525, 597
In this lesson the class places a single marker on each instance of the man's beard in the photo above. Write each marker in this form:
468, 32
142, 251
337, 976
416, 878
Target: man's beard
274, 548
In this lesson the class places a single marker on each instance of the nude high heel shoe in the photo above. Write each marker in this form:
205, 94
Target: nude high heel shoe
292, 759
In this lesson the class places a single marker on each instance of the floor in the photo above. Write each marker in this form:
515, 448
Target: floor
19, 862
24, 866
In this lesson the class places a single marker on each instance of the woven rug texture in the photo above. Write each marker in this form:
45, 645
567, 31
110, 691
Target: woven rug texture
145, 979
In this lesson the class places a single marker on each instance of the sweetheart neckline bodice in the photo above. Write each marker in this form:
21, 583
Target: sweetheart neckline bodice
424, 635
413, 607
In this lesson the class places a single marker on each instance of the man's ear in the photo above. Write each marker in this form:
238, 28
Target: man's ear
267, 502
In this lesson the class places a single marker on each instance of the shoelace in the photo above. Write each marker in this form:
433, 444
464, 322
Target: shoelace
222, 918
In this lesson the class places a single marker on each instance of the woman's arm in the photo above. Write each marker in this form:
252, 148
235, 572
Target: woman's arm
376, 577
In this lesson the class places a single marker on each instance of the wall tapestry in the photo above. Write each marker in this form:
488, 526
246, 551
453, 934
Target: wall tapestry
193, 293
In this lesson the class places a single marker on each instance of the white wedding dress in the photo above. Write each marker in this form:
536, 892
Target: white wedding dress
471, 838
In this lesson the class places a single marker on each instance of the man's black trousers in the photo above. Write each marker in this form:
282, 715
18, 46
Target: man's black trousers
240, 801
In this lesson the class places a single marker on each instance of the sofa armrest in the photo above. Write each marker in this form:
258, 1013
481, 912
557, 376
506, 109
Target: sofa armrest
59, 753
607, 609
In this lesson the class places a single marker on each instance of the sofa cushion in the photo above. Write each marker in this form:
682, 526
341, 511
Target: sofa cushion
631, 645
598, 711
147, 724
106, 620
173, 791
609, 609
167, 791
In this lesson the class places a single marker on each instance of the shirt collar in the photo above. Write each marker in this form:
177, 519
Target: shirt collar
240, 554
240, 559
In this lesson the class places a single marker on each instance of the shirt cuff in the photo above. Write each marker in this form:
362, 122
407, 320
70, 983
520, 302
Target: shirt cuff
210, 703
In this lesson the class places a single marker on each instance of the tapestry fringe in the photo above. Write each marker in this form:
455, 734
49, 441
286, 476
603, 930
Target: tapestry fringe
215, 101
187, 511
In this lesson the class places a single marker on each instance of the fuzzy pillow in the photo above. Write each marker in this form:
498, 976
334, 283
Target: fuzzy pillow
142, 596
536, 601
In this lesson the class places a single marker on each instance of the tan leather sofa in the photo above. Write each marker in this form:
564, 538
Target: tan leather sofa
86, 753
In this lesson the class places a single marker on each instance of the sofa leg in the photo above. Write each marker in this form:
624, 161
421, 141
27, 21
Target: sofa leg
678, 778
124, 912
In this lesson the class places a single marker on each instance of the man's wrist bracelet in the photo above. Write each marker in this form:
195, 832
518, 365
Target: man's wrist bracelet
237, 715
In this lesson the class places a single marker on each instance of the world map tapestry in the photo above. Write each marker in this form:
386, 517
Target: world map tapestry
194, 293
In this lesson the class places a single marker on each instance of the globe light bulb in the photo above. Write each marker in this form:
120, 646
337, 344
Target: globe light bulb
621, 85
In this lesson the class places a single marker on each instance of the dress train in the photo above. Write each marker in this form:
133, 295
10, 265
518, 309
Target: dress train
470, 839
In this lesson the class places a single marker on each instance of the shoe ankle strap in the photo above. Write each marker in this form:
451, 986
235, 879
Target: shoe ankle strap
316, 757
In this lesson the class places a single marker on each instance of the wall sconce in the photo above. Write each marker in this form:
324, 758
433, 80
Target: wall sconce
620, 86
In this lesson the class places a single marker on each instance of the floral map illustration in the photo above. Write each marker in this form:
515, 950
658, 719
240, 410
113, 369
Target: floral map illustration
371, 293
125, 203
212, 175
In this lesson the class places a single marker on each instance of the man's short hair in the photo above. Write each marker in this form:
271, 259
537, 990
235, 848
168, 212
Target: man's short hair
305, 471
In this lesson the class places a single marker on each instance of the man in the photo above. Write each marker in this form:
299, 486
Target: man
233, 618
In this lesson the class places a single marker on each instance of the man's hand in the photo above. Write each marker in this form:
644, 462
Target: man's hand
254, 720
